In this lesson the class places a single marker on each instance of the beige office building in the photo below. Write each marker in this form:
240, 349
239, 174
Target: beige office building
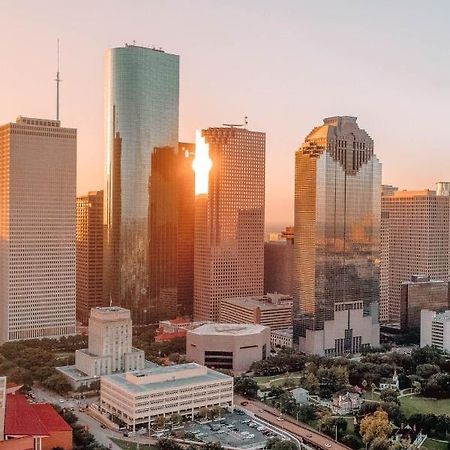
435, 329
229, 219
37, 226
136, 399
110, 344
2, 407
271, 310
414, 240
421, 293
89, 240
228, 346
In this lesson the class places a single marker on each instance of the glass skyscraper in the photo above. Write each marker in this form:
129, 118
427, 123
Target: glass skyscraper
337, 238
142, 99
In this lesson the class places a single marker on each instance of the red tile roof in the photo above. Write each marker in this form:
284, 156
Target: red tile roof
27, 419
50, 418
21, 419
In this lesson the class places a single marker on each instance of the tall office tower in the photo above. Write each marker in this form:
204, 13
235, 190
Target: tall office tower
229, 217
37, 225
336, 243
171, 231
414, 240
142, 90
89, 239
279, 263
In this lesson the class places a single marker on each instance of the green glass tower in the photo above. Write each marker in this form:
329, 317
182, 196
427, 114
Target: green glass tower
142, 102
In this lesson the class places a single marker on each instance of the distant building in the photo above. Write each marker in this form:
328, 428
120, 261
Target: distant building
337, 239
347, 403
390, 383
89, 245
301, 395
421, 293
136, 399
415, 239
175, 328
279, 263
37, 226
229, 219
33, 426
435, 329
271, 310
228, 346
282, 338
110, 349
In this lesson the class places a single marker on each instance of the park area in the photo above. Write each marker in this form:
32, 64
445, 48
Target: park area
419, 405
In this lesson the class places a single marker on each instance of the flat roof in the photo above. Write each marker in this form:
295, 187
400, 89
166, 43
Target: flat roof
121, 381
232, 329
263, 303
442, 317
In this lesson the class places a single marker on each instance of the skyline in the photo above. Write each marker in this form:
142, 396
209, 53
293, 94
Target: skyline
265, 78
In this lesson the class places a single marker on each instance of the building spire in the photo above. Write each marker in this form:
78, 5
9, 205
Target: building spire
58, 79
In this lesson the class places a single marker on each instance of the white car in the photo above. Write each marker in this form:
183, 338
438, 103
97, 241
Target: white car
61, 400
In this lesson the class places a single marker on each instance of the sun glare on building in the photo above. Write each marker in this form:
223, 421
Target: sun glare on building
202, 164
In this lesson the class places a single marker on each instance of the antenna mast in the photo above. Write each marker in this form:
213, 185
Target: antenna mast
58, 80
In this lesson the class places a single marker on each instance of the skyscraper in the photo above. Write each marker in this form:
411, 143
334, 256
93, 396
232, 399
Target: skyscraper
229, 217
415, 239
171, 228
336, 239
142, 90
89, 245
37, 229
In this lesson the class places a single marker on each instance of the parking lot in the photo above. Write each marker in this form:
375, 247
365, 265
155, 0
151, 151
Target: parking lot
233, 430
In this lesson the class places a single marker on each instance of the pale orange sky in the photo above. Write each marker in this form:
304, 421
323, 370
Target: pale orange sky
284, 64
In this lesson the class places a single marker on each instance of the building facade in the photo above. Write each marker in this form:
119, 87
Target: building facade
89, 249
336, 236
171, 228
37, 225
279, 263
271, 310
421, 293
228, 346
414, 240
2, 407
435, 329
142, 97
110, 344
229, 220
282, 338
137, 398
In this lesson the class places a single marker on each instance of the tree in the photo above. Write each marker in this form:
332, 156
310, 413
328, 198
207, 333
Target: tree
438, 386
375, 426
160, 422
212, 446
380, 443
426, 355
306, 413
246, 386
311, 382
328, 426
168, 444
279, 444
350, 440
389, 395
425, 371
176, 418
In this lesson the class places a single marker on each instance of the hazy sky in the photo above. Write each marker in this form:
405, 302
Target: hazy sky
285, 64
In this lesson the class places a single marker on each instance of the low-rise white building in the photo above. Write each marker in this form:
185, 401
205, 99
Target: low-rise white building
349, 332
228, 346
435, 329
138, 398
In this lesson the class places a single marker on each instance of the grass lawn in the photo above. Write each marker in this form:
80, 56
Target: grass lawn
431, 444
131, 445
368, 396
264, 380
420, 405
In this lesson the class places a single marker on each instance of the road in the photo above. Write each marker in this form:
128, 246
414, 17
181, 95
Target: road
308, 435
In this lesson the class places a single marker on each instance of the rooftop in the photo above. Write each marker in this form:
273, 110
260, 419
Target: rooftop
164, 377
442, 317
235, 329
264, 303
